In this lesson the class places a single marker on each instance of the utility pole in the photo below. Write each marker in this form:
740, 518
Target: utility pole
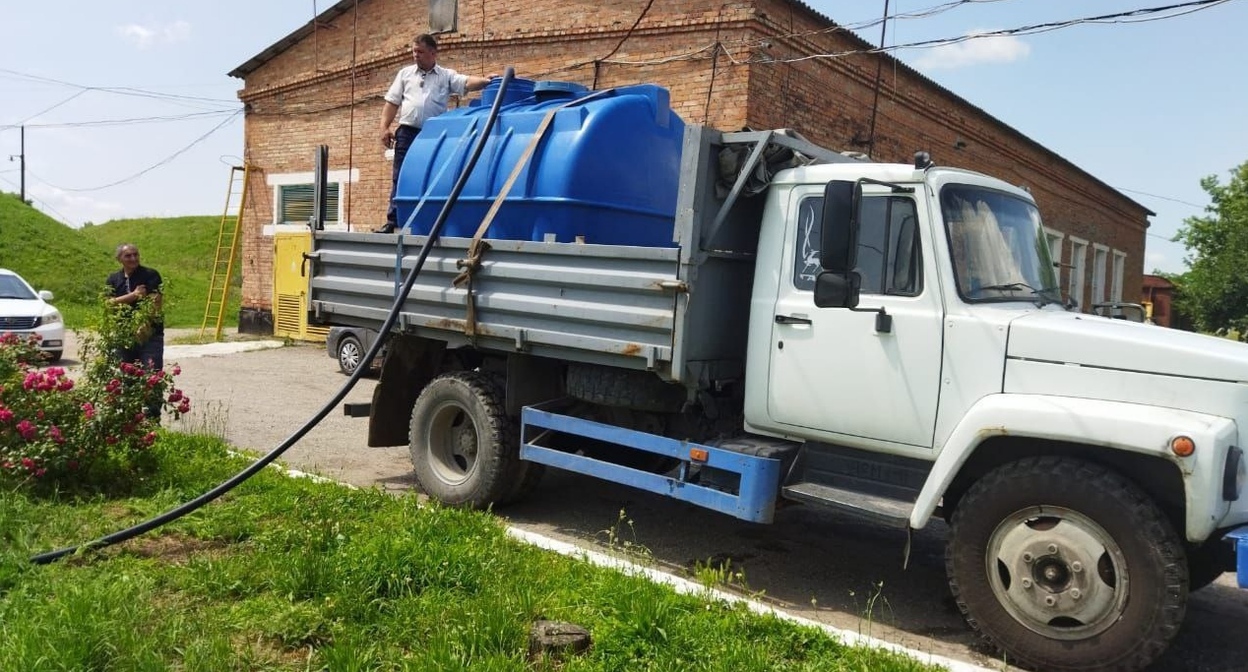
22, 163
879, 64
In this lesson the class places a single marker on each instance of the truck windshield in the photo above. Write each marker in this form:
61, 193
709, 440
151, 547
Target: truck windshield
1000, 252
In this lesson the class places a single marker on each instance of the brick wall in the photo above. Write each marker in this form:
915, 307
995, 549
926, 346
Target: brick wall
728, 65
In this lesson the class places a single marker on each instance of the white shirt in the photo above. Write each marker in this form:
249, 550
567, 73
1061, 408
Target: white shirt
424, 94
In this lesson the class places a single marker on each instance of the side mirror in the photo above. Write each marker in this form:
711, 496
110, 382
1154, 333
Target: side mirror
834, 290
838, 241
45, 295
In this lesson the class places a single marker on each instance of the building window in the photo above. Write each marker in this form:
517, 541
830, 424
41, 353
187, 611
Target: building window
443, 16
1120, 268
889, 255
1055, 244
1100, 260
292, 200
294, 203
1078, 268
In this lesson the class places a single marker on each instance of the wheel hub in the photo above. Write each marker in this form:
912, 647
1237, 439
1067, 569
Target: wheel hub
453, 444
1057, 572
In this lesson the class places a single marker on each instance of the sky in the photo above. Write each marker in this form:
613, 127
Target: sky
129, 111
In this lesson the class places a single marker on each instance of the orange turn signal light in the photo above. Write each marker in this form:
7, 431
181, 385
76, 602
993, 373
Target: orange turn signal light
699, 454
1183, 446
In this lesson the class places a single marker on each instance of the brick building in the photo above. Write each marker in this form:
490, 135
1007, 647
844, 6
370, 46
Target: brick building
728, 65
1158, 296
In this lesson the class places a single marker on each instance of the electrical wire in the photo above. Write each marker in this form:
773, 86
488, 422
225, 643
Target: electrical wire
383, 330
49, 109
123, 122
197, 101
1118, 17
1139, 15
1164, 198
46, 206
156, 165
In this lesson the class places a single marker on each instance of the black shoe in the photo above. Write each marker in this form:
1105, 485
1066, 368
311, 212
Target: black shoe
388, 228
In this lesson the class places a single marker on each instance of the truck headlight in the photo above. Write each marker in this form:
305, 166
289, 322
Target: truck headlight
1235, 476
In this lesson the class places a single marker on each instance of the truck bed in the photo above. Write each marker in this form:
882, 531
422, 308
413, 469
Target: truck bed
681, 312
610, 304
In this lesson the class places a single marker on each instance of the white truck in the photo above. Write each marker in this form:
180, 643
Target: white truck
885, 340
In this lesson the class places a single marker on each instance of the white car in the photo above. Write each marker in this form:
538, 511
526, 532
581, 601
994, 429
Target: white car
24, 311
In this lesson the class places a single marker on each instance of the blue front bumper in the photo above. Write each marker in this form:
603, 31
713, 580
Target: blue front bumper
1239, 537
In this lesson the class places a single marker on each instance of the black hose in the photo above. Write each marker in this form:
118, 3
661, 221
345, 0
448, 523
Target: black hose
384, 331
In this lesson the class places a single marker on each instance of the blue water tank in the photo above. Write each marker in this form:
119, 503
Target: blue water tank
606, 171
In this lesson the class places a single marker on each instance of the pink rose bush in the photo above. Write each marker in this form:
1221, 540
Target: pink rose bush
55, 429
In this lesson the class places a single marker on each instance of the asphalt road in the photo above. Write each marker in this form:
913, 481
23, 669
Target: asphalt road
826, 567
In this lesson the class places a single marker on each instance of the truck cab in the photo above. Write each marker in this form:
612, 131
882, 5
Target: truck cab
907, 329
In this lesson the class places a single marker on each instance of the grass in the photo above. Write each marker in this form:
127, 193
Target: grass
291, 574
73, 263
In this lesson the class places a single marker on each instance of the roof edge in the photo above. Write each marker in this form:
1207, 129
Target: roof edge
272, 51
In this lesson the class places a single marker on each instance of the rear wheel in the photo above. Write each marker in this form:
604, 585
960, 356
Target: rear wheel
350, 352
1065, 565
463, 446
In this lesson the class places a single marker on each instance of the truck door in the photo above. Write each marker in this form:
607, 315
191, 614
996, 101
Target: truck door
831, 371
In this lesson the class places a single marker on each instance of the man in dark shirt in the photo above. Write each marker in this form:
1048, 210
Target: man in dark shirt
130, 285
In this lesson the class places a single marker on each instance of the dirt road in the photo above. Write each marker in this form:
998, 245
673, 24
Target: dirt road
824, 567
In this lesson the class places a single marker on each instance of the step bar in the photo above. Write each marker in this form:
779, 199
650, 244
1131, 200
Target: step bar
755, 496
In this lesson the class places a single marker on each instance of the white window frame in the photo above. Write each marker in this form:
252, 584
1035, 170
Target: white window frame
1120, 270
276, 182
1078, 270
1100, 265
1054, 238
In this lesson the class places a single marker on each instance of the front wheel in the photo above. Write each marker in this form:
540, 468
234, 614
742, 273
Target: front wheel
1065, 565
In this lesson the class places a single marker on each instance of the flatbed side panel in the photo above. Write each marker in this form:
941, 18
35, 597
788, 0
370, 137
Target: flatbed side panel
604, 303
754, 500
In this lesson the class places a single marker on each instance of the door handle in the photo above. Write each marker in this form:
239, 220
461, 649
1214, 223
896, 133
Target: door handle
791, 319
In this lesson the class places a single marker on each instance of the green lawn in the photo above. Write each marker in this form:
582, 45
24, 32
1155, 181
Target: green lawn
291, 574
73, 263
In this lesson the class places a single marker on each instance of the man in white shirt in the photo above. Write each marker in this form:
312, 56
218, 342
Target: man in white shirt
420, 92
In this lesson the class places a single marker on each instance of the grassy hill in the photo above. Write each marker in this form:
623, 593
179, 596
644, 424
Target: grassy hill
73, 263
183, 249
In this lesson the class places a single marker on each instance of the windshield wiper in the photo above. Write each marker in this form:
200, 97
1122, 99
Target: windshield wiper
1043, 293
13, 296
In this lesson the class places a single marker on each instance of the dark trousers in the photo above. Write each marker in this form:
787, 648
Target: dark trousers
151, 355
402, 142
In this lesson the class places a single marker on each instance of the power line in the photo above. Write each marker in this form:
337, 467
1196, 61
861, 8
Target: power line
65, 220
197, 101
1139, 15
46, 110
125, 122
152, 167
1164, 198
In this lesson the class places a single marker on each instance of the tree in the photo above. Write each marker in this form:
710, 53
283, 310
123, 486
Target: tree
1215, 288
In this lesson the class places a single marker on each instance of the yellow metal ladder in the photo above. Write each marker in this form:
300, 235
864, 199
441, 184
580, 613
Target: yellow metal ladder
227, 251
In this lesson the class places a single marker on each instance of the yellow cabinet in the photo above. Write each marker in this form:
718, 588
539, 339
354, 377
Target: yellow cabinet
290, 288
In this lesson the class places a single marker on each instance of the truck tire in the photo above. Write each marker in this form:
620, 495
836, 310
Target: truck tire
464, 448
623, 388
1065, 565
